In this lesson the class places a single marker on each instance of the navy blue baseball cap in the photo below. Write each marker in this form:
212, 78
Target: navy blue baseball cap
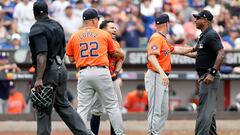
40, 7
90, 14
163, 18
204, 14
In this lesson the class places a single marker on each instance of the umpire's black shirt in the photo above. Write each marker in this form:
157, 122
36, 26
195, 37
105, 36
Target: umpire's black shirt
47, 35
207, 47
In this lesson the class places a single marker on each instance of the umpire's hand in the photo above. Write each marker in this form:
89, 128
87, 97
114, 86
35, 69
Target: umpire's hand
209, 79
38, 85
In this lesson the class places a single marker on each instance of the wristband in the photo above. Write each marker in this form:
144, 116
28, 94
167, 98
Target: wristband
193, 49
213, 71
116, 72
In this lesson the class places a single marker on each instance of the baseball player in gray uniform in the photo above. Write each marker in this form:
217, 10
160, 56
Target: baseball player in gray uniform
156, 78
89, 48
115, 65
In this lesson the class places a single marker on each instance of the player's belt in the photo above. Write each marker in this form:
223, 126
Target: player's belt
85, 67
158, 73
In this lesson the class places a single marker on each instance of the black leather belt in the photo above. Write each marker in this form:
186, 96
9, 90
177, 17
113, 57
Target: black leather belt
158, 73
81, 68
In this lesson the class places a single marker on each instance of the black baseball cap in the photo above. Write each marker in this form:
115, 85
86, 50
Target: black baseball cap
95, 1
163, 18
140, 87
204, 14
40, 8
90, 14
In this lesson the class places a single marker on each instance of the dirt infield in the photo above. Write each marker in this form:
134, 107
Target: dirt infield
127, 133
173, 127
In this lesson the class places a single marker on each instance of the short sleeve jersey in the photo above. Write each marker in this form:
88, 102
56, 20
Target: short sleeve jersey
113, 60
134, 103
159, 46
47, 35
207, 47
90, 47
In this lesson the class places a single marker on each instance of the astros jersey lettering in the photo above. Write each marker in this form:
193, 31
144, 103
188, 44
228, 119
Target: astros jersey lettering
90, 47
159, 46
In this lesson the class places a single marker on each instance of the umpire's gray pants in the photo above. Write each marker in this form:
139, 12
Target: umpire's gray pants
205, 123
157, 102
58, 75
93, 80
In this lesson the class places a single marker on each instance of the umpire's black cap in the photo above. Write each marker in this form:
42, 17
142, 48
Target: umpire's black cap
204, 14
90, 14
40, 8
163, 18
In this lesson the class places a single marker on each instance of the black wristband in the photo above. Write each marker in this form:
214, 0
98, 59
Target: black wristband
116, 72
193, 49
213, 71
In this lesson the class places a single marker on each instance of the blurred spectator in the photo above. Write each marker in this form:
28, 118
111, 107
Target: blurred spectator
15, 42
8, 7
191, 31
132, 29
3, 31
95, 4
147, 12
57, 7
24, 19
4, 94
177, 32
6, 20
213, 7
167, 8
5, 84
233, 6
78, 10
137, 100
237, 43
231, 36
69, 22
16, 101
186, 10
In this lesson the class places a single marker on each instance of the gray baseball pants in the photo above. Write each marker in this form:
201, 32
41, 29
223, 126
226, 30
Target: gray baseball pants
98, 109
157, 102
206, 123
92, 80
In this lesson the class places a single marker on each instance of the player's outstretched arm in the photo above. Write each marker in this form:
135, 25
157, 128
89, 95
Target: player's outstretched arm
191, 54
183, 50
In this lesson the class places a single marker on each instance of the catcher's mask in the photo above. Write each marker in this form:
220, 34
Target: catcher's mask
42, 99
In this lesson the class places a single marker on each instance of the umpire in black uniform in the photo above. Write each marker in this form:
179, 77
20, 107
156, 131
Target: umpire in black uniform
47, 44
209, 56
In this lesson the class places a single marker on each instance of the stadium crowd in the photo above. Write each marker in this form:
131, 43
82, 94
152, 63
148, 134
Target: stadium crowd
135, 19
